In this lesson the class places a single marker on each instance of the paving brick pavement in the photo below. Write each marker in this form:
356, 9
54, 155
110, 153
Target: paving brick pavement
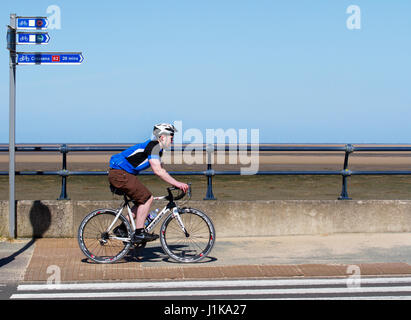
315, 256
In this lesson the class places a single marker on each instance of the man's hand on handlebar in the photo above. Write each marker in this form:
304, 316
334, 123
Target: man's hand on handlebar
182, 186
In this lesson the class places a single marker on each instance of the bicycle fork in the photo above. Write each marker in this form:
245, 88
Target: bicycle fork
176, 215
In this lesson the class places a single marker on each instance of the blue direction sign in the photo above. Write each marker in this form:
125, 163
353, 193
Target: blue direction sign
32, 38
37, 23
56, 58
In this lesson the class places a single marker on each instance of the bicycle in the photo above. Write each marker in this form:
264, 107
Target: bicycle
186, 235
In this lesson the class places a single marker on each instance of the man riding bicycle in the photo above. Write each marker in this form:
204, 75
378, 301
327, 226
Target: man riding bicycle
125, 166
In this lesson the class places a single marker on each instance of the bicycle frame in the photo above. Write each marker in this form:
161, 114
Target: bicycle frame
171, 207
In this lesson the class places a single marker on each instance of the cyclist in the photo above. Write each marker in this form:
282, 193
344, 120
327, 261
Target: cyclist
125, 166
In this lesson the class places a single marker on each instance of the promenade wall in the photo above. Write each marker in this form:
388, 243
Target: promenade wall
53, 218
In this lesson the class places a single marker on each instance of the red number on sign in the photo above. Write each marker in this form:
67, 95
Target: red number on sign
55, 58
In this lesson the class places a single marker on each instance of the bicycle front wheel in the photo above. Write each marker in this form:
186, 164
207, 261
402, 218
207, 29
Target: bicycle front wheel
97, 242
192, 245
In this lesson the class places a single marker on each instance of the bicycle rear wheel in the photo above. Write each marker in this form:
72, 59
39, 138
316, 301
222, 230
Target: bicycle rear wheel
192, 246
98, 244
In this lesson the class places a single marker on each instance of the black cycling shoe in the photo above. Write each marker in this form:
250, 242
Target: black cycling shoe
143, 236
121, 231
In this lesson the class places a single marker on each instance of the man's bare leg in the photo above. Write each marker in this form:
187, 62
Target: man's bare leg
141, 212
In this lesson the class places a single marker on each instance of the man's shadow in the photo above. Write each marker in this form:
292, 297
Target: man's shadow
40, 219
156, 254
149, 254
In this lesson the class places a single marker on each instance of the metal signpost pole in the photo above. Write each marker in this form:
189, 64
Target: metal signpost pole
12, 126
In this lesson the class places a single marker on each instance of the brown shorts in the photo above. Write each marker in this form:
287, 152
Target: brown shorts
129, 183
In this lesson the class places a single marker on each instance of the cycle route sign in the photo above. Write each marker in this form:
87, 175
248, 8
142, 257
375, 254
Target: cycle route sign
17, 37
32, 38
32, 23
49, 58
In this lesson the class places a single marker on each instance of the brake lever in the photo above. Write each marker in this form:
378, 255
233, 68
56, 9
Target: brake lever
189, 190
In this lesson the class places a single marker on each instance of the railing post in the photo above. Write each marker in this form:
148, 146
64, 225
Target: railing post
345, 173
64, 174
209, 173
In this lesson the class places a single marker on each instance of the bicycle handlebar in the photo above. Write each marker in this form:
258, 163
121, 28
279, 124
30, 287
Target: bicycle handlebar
181, 195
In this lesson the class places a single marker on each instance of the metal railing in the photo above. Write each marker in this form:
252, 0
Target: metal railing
209, 173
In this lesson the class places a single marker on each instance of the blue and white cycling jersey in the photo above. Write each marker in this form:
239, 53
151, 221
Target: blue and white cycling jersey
135, 158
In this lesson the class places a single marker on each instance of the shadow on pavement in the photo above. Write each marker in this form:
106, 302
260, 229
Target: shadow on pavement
150, 254
156, 254
10, 258
40, 219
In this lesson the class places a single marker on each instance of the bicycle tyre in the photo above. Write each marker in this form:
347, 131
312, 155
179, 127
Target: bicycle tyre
95, 243
194, 247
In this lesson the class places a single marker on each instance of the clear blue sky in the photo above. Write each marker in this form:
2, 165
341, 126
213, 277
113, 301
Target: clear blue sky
291, 69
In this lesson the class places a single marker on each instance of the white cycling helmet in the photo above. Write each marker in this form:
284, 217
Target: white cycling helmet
164, 129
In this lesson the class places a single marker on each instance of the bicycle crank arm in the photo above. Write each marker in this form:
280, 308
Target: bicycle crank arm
121, 239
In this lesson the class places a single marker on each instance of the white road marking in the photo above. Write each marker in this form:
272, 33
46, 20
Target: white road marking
336, 288
216, 292
206, 284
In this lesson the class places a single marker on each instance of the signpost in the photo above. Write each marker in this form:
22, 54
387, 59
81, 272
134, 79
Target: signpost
11, 45
14, 38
